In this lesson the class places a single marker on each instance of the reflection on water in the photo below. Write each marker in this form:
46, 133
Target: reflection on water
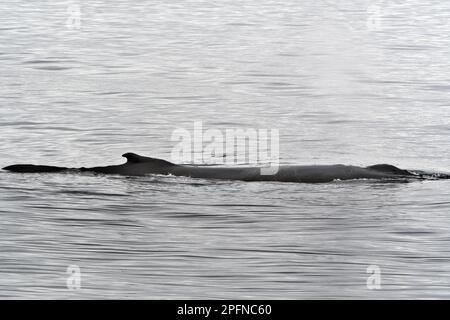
343, 83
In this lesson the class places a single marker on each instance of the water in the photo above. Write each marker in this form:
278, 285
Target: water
344, 83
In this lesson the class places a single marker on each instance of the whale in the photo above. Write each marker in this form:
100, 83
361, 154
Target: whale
137, 165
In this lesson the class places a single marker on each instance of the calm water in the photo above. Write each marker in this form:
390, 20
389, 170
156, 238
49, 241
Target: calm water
344, 83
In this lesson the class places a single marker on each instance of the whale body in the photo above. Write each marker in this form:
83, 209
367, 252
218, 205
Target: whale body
137, 165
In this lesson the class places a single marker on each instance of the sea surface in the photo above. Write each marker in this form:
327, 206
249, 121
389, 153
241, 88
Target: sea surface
351, 82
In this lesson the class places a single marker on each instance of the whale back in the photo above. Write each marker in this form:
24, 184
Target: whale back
135, 165
30, 168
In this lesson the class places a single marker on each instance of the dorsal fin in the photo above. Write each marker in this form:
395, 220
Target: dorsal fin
135, 158
387, 168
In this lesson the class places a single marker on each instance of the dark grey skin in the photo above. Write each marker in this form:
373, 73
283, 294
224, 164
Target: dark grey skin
137, 165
